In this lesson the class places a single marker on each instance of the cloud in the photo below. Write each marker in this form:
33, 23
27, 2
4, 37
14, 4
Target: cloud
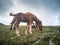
5, 19
52, 5
45, 10
5, 5
57, 21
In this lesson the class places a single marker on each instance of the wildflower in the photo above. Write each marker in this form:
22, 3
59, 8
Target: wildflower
11, 37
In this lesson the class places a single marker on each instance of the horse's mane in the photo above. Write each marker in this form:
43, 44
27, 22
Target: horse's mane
35, 17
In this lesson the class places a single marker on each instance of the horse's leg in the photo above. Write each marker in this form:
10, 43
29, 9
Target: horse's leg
30, 27
17, 29
11, 27
27, 28
12, 24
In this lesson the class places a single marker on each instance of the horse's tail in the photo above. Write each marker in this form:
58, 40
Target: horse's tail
11, 14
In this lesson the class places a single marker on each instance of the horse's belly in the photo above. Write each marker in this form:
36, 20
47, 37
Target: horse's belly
24, 20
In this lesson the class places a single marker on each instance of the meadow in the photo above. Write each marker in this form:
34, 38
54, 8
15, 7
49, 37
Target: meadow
49, 36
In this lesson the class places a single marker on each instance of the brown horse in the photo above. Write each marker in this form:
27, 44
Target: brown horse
25, 17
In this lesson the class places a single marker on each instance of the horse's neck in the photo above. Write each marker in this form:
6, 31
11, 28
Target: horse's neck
36, 19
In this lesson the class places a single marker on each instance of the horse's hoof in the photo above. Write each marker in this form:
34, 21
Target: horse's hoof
26, 32
31, 33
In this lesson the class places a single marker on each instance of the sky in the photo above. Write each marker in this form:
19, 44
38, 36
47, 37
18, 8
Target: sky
48, 11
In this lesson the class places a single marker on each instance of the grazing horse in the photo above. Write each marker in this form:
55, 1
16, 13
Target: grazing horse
25, 17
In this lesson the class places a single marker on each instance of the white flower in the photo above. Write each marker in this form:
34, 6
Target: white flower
11, 37
57, 31
37, 41
50, 42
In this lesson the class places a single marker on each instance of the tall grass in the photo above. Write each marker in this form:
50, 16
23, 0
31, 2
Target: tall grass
8, 37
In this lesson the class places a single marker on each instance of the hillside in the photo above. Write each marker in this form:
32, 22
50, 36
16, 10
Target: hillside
1, 24
50, 35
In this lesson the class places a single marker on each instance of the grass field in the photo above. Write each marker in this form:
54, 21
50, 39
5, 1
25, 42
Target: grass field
49, 36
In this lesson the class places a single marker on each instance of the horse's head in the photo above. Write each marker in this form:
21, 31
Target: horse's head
39, 25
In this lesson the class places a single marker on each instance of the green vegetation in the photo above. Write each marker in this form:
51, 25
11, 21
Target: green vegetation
50, 33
